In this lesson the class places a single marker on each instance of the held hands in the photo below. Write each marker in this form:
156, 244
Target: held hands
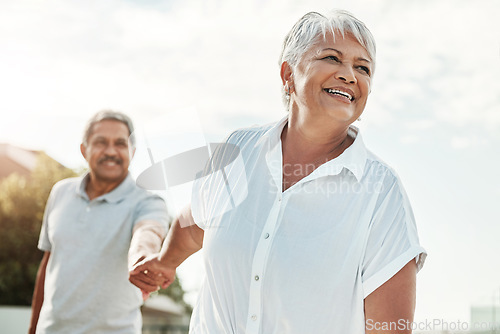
149, 275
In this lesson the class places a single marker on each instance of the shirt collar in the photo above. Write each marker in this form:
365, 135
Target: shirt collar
353, 158
114, 196
274, 133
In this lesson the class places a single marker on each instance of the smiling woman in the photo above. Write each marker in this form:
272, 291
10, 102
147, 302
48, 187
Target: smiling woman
330, 85
324, 240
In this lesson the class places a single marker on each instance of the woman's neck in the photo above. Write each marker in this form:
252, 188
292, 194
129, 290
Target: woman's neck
308, 140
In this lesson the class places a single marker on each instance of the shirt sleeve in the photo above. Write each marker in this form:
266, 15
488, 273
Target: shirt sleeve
392, 240
152, 207
222, 185
198, 204
44, 243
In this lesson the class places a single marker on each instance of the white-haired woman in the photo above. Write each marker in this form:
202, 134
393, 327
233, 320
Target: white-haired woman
306, 231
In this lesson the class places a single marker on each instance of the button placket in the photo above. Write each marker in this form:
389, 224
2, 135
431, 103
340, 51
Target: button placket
85, 213
258, 267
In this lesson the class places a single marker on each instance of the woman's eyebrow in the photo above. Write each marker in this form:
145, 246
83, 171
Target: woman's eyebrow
340, 53
363, 59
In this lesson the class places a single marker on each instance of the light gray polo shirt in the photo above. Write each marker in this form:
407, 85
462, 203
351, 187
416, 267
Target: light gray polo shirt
86, 283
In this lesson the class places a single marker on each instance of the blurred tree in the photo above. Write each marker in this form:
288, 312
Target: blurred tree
176, 293
22, 202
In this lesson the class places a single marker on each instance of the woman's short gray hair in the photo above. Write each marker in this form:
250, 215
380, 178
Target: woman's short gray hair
108, 115
314, 25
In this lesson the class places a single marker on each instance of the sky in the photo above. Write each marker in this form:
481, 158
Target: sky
189, 72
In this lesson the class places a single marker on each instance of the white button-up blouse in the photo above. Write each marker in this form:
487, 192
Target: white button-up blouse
302, 260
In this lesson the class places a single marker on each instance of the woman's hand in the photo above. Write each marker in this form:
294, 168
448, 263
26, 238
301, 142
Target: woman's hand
149, 275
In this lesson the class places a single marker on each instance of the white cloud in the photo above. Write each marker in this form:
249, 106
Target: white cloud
422, 124
410, 139
441, 62
464, 142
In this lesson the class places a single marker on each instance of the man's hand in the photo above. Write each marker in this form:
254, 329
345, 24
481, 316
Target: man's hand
149, 275
147, 237
158, 270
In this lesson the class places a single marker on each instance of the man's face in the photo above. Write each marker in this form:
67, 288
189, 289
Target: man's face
108, 152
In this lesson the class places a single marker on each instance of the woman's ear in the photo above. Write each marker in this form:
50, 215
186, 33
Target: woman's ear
286, 73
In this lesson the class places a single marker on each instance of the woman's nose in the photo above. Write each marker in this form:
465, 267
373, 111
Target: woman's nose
346, 74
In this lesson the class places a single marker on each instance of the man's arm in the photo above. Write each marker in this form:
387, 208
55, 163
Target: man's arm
393, 302
146, 240
184, 238
38, 293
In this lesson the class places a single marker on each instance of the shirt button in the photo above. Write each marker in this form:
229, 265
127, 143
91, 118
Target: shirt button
257, 277
88, 208
266, 236
279, 199
254, 317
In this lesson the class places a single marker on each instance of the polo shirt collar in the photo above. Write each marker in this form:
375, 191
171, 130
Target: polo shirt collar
353, 158
114, 196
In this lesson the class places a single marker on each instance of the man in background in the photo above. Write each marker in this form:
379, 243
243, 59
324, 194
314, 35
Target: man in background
94, 228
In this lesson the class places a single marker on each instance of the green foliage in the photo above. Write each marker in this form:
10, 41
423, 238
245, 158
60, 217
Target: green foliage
22, 202
176, 293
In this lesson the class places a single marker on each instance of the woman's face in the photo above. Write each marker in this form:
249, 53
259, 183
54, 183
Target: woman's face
331, 80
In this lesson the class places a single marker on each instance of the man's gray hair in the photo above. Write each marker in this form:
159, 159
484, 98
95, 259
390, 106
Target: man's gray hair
314, 25
108, 115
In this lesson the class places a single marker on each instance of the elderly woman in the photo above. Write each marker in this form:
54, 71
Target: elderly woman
306, 231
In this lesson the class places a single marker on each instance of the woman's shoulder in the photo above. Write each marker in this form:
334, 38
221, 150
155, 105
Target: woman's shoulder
379, 170
249, 134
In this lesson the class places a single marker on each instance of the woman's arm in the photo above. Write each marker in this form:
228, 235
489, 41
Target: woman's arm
390, 308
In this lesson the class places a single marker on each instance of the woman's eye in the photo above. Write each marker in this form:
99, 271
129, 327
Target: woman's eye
365, 69
334, 58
